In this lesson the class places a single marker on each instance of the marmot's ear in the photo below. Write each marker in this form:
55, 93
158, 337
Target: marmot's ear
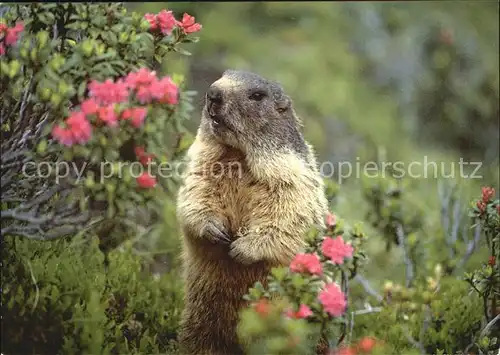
283, 103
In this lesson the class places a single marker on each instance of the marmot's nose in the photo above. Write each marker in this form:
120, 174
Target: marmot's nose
214, 94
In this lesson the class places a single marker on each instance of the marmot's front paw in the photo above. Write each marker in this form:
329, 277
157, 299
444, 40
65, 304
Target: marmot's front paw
215, 231
240, 251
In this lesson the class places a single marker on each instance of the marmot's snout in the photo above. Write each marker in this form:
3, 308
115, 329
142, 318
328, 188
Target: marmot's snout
214, 101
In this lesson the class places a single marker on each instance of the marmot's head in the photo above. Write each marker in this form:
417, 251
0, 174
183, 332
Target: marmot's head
245, 110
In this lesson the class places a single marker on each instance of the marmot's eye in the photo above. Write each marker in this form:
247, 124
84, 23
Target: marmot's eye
257, 96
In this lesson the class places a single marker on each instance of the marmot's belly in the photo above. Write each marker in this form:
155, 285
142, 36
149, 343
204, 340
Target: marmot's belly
223, 276
214, 297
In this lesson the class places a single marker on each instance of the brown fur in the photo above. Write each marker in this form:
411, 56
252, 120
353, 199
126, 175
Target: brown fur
263, 192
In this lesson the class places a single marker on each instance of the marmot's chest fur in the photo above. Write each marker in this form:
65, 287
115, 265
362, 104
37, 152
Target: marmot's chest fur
240, 197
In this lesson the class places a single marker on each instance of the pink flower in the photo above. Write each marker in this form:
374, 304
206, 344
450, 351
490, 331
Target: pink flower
143, 95
166, 20
148, 87
141, 77
2, 49
108, 115
80, 127
303, 312
62, 135
146, 181
78, 130
306, 263
330, 220
336, 249
487, 193
188, 24
138, 116
12, 33
491, 261
333, 300
263, 307
89, 107
144, 158
165, 91
151, 18
366, 344
108, 92
481, 206
126, 114
139, 151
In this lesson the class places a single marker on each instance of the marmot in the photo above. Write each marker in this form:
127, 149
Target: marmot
251, 191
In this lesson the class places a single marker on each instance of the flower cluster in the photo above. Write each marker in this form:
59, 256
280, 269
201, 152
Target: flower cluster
9, 35
487, 194
306, 263
104, 105
309, 290
111, 102
333, 299
364, 346
165, 22
336, 249
79, 130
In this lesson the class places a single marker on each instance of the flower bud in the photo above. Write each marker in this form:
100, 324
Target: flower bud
90, 182
4, 68
388, 286
413, 306
33, 54
144, 26
68, 155
42, 147
62, 88
110, 187
426, 297
405, 294
100, 49
103, 141
123, 37
55, 99
431, 284
42, 38
14, 68
45, 94
24, 53
438, 271
133, 36
87, 48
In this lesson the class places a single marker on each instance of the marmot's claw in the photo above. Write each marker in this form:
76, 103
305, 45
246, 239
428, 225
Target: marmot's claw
215, 231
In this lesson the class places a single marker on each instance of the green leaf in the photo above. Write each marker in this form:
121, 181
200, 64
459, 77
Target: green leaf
181, 51
81, 90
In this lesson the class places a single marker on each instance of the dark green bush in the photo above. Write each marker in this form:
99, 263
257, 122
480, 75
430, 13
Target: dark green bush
57, 298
